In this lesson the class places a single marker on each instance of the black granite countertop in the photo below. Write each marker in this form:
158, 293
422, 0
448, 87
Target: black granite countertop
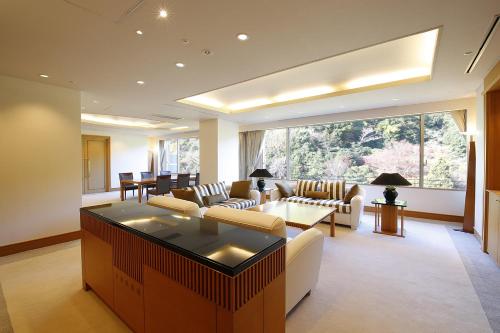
223, 247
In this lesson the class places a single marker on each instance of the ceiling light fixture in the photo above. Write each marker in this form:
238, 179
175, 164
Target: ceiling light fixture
44, 76
139, 32
249, 104
466, 53
299, 94
140, 82
242, 37
163, 13
118, 121
180, 65
179, 128
395, 99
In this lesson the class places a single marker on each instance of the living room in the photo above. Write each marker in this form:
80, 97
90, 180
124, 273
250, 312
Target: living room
248, 167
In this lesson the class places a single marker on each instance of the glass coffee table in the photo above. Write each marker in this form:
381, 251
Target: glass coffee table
299, 215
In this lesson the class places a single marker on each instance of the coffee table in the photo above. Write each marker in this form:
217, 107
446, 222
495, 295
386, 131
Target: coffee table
298, 215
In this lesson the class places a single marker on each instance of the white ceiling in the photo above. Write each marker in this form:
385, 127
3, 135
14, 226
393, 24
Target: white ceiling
92, 47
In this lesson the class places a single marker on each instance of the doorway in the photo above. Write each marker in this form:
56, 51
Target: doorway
95, 164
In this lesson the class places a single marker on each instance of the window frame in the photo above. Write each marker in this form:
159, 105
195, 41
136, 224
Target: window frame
421, 146
177, 150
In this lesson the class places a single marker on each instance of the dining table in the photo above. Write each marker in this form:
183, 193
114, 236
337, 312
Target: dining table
142, 183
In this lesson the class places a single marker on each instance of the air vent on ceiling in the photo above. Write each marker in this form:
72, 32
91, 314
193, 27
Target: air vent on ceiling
484, 44
166, 117
130, 10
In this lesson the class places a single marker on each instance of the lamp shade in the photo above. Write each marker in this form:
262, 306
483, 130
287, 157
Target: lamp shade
391, 179
261, 173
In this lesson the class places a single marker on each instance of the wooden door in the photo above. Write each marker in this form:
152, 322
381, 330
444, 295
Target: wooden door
95, 158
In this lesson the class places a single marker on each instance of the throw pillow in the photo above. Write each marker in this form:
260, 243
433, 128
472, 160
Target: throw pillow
188, 195
211, 200
351, 194
241, 189
317, 195
285, 189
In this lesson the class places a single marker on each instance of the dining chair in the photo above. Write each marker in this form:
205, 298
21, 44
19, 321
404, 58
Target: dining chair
165, 173
162, 186
147, 175
183, 180
127, 187
196, 180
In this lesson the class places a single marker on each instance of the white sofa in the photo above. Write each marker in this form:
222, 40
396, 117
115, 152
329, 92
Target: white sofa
346, 214
303, 253
181, 206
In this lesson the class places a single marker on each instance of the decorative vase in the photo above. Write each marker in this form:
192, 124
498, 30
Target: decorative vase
390, 194
261, 184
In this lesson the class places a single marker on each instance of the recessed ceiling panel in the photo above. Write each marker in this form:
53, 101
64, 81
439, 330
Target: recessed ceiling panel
404, 60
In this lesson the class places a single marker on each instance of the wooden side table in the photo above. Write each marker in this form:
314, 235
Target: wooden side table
264, 194
386, 217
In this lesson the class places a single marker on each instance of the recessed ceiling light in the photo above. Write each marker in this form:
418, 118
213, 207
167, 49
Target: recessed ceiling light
140, 82
95, 101
242, 36
139, 32
163, 13
180, 65
179, 128
395, 99
44, 75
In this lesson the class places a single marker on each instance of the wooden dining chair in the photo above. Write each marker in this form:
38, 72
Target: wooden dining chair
147, 175
196, 180
183, 180
127, 187
162, 186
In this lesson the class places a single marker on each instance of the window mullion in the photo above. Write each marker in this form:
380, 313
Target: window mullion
422, 137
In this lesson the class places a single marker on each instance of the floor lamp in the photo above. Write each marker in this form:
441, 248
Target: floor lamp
470, 193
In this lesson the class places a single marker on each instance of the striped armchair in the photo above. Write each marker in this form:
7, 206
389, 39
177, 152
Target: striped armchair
347, 213
220, 188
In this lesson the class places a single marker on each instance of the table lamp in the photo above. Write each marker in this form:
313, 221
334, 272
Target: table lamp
261, 174
390, 180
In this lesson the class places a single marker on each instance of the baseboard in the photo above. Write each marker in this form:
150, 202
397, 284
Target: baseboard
426, 215
38, 243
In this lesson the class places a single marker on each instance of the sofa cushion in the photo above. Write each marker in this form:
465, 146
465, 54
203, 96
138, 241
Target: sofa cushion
306, 185
238, 203
317, 195
218, 188
248, 219
241, 189
184, 194
201, 191
210, 200
353, 191
285, 189
336, 188
342, 207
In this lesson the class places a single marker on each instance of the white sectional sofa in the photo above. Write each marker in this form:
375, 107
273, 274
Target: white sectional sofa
303, 253
349, 214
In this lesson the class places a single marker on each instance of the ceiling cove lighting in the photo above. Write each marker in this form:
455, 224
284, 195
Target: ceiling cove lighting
44, 76
117, 121
179, 128
409, 59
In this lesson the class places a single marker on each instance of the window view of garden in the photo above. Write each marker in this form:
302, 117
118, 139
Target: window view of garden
358, 151
180, 155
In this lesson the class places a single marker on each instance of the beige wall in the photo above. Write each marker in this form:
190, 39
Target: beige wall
40, 151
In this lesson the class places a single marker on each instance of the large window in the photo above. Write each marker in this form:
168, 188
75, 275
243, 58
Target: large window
180, 155
358, 151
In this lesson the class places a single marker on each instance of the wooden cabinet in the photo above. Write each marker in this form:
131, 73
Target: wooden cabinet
493, 246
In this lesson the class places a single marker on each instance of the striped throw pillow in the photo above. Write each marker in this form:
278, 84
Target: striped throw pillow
218, 188
200, 192
336, 189
306, 185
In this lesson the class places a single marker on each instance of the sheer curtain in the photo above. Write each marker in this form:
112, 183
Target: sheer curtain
460, 118
250, 152
163, 156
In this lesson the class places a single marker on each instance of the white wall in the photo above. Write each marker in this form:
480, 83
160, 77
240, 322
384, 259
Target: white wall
129, 153
208, 134
40, 149
480, 162
229, 147
424, 200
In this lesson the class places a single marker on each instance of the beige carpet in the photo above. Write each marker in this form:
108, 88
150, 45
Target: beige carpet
368, 283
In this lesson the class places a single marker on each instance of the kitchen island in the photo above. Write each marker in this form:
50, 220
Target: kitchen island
161, 271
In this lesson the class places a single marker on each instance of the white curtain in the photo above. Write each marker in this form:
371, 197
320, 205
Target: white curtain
250, 152
460, 118
163, 156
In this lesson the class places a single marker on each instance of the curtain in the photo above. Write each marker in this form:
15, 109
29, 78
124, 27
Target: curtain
163, 156
250, 152
460, 118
